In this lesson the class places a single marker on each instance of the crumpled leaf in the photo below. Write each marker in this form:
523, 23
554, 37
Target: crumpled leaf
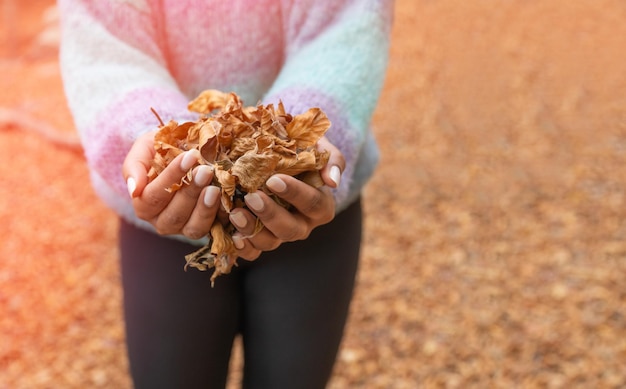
307, 128
220, 254
208, 100
303, 161
245, 146
252, 169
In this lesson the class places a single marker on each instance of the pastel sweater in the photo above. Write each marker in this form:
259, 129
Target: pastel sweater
121, 57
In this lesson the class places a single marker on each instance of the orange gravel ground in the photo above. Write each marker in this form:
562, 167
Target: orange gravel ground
494, 253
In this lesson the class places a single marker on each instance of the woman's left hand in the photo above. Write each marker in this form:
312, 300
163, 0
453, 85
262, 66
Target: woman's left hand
311, 208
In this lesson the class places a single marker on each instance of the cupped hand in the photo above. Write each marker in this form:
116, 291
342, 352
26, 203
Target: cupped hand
189, 211
311, 207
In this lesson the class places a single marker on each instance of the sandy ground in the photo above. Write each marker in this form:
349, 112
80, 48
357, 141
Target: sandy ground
494, 253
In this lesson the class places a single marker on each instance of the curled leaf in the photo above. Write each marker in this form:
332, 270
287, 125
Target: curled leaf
307, 128
245, 146
208, 100
252, 169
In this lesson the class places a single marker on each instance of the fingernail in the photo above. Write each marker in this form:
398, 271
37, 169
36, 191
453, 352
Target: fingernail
211, 194
254, 201
335, 174
132, 185
203, 174
238, 242
238, 219
189, 159
276, 185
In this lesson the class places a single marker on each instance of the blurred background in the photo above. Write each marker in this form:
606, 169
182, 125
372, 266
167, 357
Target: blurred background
494, 252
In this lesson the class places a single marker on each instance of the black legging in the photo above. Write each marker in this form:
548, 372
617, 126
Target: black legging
290, 307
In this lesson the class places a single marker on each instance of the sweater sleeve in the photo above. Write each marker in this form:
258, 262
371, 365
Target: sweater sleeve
114, 68
336, 58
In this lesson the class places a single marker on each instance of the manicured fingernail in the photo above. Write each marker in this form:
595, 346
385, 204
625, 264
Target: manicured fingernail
238, 242
276, 185
189, 159
238, 219
335, 174
203, 174
211, 194
132, 185
254, 201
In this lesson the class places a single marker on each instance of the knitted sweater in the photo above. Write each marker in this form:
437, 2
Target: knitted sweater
121, 57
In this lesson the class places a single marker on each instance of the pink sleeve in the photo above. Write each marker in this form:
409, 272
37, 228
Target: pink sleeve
114, 69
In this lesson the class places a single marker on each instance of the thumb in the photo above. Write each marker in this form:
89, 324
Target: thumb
137, 164
331, 173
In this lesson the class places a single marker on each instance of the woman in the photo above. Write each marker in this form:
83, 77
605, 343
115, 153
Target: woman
119, 59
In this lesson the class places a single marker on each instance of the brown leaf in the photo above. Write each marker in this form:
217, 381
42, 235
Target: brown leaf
228, 184
245, 146
252, 169
208, 101
240, 146
221, 241
271, 124
207, 139
313, 178
307, 128
186, 180
173, 135
297, 164
219, 253
223, 250
322, 159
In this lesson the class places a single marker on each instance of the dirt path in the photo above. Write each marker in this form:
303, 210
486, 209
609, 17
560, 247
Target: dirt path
494, 254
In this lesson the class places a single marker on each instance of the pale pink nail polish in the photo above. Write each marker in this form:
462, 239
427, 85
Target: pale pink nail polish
132, 186
276, 184
211, 194
203, 173
238, 219
335, 175
189, 159
255, 202
238, 242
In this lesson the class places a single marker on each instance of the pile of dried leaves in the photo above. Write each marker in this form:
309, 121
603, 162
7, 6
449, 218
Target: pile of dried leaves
245, 146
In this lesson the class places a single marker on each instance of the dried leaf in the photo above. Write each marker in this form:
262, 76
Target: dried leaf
219, 254
207, 140
201, 259
186, 180
240, 146
245, 146
171, 134
222, 242
223, 250
313, 178
208, 101
252, 169
307, 128
228, 183
294, 165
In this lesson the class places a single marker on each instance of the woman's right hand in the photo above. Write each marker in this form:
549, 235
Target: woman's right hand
189, 211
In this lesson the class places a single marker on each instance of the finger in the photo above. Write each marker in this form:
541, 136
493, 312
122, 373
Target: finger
315, 204
283, 224
244, 248
331, 173
137, 164
203, 215
176, 214
155, 196
243, 220
265, 240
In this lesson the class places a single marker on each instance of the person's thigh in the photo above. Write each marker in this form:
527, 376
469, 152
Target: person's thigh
179, 330
296, 301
